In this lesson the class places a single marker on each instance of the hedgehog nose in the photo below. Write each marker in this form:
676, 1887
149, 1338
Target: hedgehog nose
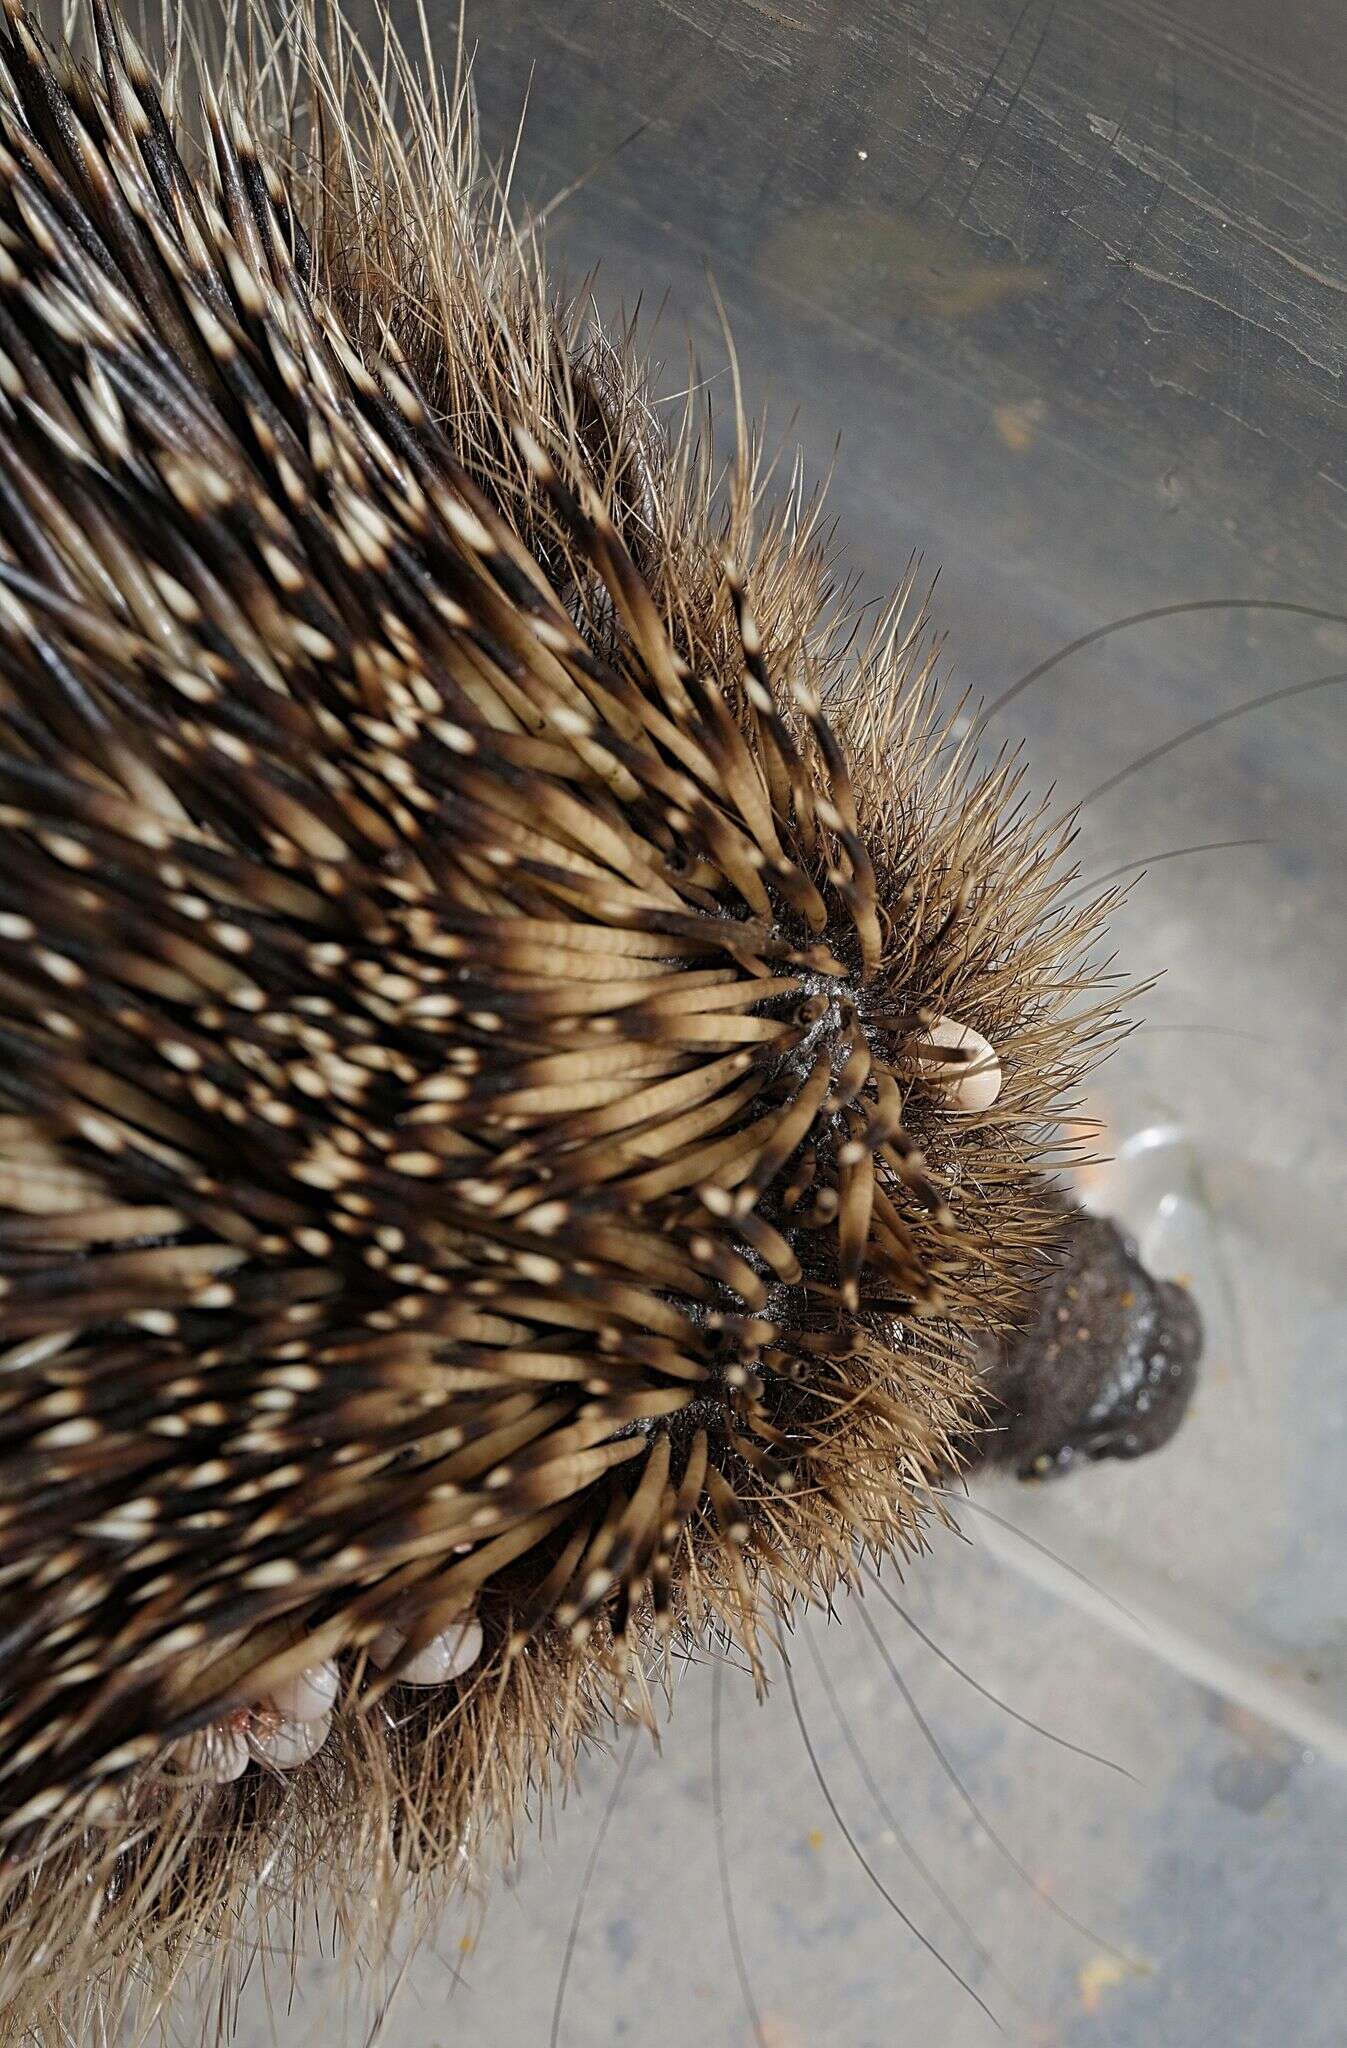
1180, 1324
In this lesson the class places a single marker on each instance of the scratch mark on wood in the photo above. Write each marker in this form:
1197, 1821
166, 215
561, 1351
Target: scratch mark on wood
952, 154
1010, 107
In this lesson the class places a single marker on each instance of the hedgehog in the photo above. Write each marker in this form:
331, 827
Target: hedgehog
535, 1057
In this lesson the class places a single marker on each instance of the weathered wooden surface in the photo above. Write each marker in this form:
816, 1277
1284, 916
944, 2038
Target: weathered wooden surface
1115, 223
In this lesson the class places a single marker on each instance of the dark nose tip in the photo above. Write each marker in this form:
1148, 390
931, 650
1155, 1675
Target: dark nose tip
1180, 1324
1105, 1367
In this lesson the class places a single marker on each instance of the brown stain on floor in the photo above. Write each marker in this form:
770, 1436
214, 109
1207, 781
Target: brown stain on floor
875, 264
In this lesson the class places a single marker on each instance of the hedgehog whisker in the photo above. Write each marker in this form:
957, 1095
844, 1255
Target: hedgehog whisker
1143, 618
1206, 725
887, 1815
978, 1507
1076, 1749
998, 1843
1210, 1031
587, 1879
722, 1858
861, 1858
1150, 860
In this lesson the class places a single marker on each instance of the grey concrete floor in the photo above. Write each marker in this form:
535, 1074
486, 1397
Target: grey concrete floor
1069, 452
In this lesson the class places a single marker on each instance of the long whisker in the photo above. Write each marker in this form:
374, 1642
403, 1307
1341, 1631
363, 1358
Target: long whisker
885, 1811
978, 1507
1002, 1847
1161, 611
1206, 725
1025, 1720
723, 1861
1153, 860
1210, 1031
860, 1856
582, 1897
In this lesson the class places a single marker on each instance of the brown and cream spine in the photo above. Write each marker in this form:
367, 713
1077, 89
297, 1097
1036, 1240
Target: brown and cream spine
527, 1057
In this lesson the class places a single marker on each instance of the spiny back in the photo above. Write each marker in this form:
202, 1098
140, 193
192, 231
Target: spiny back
483, 1127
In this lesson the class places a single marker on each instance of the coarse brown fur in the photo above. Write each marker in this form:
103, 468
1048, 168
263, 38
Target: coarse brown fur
462, 1123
